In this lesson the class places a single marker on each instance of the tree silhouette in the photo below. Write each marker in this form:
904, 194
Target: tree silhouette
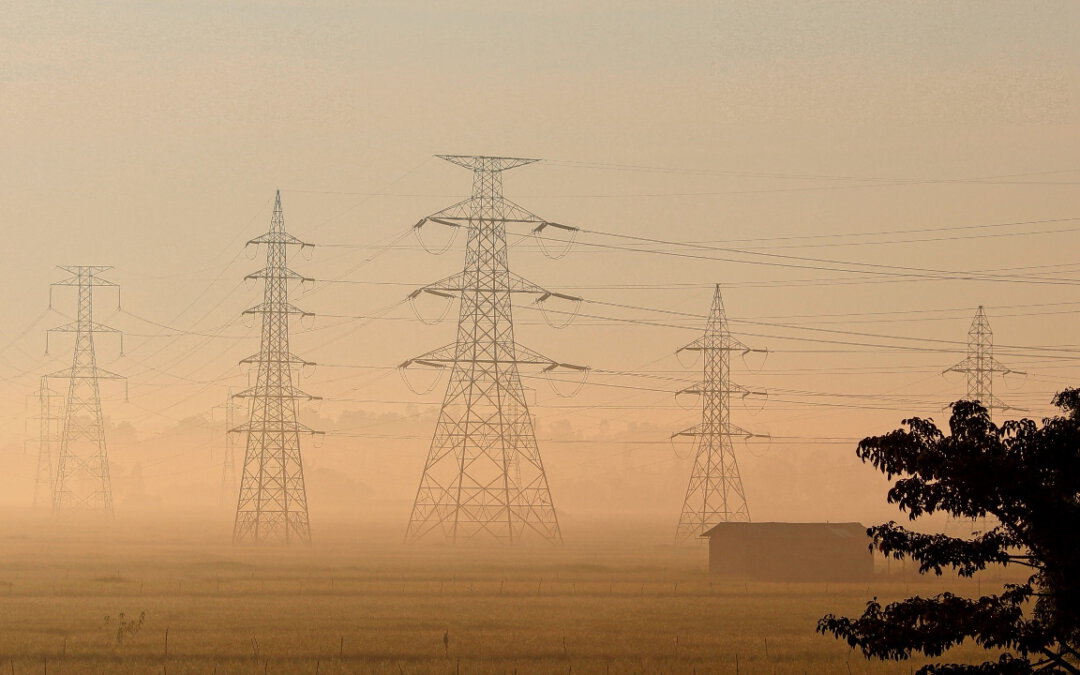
1028, 478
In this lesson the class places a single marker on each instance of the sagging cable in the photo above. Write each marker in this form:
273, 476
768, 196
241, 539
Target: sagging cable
568, 244
455, 228
572, 314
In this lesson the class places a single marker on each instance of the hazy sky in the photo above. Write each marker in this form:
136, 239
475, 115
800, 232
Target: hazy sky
151, 136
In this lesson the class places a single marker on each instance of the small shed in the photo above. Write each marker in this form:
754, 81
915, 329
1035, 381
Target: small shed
791, 551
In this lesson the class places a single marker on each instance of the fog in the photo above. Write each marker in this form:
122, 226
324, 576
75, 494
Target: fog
152, 139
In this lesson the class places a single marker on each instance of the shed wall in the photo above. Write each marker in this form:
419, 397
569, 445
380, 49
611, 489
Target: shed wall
791, 552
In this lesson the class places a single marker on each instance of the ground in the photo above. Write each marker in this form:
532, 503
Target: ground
375, 608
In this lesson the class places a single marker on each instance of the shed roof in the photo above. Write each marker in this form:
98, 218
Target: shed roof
839, 530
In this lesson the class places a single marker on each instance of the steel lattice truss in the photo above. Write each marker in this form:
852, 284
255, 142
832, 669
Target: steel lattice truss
980, 366
229, 483
272, 506
82, 470
484, 478
715, 492
49, 424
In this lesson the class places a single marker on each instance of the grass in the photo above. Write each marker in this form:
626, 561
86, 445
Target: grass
360, 609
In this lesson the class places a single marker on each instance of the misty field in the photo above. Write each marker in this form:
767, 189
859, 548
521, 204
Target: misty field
76, 608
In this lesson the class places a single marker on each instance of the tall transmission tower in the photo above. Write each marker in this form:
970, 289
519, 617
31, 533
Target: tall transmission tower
484, 478
82, 470
715, 492
272, 506
980, 366
48, 425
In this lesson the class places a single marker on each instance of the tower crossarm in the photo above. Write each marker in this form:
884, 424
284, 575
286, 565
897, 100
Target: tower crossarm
455, 215
444, 288
86, 328
292, 359
85, 277
703, 388
93, 327
286, 308
971, 365
288, 392
998, 367
91, 280
279, 238
530, 357
699, 430
276, 427
559, 226
447, 356
726, 343
285, 274
487, 162
437, 358
459, 283
86, 373
460, 214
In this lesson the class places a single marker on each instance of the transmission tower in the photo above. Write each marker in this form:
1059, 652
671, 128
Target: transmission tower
229, 484
48, 425
715, 492
980, 366
272, 506
82, 471
484, 477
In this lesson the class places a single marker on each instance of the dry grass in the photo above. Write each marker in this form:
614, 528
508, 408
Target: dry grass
358, 610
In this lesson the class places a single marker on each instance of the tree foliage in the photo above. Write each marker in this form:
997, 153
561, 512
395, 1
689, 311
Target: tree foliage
1027, 478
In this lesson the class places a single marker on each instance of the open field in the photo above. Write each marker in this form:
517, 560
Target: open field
351, 608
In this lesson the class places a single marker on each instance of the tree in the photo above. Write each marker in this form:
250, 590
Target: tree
1026, 477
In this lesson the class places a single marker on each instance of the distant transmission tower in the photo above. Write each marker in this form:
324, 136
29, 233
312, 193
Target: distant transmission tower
229, 484
82, 471
484, 477
715, 492
48, 425
980, 365
272, 506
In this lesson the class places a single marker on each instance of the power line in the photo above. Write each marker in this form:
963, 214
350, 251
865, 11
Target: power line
803, 262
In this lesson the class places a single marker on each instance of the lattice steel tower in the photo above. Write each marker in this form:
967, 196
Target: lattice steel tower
49, 421
82, 470
715, 492
229, 483
980, 366
272, 506
484, 477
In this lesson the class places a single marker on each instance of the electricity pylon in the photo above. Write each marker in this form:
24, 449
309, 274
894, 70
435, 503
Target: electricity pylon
82, 470
272, 506
484, 477
715, 492
980, 366
48, 423
229, 483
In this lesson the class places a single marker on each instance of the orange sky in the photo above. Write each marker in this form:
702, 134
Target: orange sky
151, 137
